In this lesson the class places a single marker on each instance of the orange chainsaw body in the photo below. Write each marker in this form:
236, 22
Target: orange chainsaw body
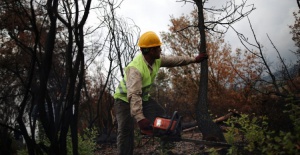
164, 124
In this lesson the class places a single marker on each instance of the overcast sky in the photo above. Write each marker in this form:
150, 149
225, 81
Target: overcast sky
271, 17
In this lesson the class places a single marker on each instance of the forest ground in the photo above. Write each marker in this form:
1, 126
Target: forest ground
152, 147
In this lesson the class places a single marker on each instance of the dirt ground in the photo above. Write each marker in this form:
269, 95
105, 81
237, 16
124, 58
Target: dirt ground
151, 146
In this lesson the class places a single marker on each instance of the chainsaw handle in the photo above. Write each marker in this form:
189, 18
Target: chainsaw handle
172, 120
178, 122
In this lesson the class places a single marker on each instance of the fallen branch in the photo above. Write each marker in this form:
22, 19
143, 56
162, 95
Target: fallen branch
193, 125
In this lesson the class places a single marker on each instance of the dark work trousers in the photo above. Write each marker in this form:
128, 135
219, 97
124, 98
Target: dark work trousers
125, 139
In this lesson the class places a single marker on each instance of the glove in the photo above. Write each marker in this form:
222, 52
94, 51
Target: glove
145, 124
201, 57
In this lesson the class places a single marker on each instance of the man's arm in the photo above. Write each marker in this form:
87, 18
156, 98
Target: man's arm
134, 93
172, 61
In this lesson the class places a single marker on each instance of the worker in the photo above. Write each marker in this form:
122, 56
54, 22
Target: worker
132, 99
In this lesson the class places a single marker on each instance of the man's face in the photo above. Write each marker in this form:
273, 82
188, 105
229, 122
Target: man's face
156, 51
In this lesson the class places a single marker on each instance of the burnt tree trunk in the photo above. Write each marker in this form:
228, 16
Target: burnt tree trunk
209, 129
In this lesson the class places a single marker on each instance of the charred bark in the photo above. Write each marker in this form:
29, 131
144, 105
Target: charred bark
209, 129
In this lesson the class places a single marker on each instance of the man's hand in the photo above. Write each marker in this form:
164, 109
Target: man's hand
201, 57
145, 124
146, 127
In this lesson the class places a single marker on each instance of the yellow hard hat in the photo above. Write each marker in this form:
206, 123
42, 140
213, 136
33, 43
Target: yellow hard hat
149, 39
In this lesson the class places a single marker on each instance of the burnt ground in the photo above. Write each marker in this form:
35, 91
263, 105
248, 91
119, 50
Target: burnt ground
146, 146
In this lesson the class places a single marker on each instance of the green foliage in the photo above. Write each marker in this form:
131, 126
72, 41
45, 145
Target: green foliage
251, 131
258, 139
86, 143
212, 151
138, 137
22, 152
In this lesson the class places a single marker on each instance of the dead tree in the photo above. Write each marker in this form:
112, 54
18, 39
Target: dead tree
208, 128
121, 50
277, 88
52, 73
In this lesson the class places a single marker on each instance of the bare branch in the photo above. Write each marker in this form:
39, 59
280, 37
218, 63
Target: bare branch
283, 64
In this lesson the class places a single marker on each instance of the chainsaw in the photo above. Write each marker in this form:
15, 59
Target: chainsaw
170, 128
166, 126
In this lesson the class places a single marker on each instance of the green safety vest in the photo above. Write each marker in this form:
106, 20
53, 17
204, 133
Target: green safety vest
147, 79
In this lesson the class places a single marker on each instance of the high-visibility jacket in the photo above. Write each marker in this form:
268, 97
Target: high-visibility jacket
147, 78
